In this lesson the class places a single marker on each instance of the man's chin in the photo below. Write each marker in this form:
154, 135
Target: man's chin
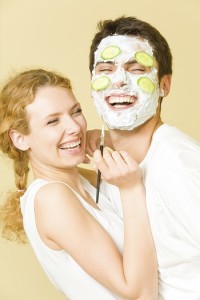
118, 127
130, 127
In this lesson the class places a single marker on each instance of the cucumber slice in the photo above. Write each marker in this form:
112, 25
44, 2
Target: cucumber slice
146, 85
110, 52
100, 83
144, 59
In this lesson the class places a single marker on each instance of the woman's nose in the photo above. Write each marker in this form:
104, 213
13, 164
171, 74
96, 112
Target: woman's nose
71, 126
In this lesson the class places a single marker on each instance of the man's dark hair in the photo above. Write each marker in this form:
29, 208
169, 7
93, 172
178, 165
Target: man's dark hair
132, 26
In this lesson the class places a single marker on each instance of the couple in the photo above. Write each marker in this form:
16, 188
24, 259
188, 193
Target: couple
106, 251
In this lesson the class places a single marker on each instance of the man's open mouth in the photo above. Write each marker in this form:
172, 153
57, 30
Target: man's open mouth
119, 102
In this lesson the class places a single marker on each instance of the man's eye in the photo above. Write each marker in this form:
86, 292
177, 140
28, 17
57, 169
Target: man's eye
104, 71
53, 121
105, 68
137, 70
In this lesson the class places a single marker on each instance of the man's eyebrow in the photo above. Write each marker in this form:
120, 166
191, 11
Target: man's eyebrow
130, 62
105, 62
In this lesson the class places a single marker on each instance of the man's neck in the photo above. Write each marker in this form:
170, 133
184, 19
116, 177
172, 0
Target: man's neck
136, 142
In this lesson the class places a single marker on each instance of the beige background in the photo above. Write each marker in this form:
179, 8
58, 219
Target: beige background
56, 34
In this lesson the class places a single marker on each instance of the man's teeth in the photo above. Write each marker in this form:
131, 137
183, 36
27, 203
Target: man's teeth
124, 99
70, 145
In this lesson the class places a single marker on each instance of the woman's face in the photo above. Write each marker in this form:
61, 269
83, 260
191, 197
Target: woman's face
57, 129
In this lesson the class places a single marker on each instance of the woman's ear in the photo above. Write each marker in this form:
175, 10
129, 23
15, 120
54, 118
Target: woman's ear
18, 140
165, 84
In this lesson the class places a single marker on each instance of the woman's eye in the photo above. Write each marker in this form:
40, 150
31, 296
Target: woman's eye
53, 121
77, 111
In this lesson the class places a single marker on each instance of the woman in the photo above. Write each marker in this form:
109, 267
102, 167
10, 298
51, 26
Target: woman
85, 249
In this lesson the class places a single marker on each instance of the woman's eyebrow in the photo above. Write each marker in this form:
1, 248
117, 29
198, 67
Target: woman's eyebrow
57, 114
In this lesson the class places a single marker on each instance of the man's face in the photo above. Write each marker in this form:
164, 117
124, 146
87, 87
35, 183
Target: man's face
124, 82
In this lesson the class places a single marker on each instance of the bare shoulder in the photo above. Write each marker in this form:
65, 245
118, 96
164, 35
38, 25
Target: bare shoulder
56, 199
90, 175
57, 213
53, 186
54, 193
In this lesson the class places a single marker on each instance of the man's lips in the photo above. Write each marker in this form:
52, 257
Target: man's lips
119, 102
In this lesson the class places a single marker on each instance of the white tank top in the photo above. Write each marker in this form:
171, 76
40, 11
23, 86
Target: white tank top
60, 267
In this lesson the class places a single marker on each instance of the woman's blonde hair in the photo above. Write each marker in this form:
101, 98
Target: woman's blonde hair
19, 92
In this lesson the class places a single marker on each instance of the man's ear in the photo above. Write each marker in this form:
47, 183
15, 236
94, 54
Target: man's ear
165, 84
18, 140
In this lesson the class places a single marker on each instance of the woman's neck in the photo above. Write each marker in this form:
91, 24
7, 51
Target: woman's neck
69, 176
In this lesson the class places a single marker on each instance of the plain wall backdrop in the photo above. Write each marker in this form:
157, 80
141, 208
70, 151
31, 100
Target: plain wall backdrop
56, 35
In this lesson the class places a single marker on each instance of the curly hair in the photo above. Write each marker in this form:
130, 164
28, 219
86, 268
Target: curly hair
17, 93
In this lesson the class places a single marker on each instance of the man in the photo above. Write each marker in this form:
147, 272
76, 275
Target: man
131, 66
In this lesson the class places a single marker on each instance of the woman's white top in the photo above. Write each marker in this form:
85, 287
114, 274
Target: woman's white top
60, 267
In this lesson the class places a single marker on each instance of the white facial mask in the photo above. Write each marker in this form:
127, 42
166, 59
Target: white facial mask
145, 102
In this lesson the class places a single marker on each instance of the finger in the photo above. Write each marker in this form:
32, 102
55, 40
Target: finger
95, 168
128, 159
121, 162
126, 164
118, 158
92, 141
86, 160
88, 150
91, 147
108, 157
100, 162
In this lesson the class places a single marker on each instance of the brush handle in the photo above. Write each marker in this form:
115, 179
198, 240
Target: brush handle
99, 179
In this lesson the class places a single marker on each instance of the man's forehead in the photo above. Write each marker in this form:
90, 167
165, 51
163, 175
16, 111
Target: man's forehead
120, 49
126, 43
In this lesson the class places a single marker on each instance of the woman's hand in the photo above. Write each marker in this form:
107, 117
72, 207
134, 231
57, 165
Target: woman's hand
118, 168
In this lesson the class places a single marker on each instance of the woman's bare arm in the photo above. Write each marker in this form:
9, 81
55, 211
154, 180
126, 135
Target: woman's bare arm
131, 275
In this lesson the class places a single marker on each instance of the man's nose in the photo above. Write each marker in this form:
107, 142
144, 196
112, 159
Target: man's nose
121, 78
119, 84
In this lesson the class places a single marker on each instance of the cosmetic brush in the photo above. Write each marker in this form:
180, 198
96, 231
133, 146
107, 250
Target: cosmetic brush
99, 173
